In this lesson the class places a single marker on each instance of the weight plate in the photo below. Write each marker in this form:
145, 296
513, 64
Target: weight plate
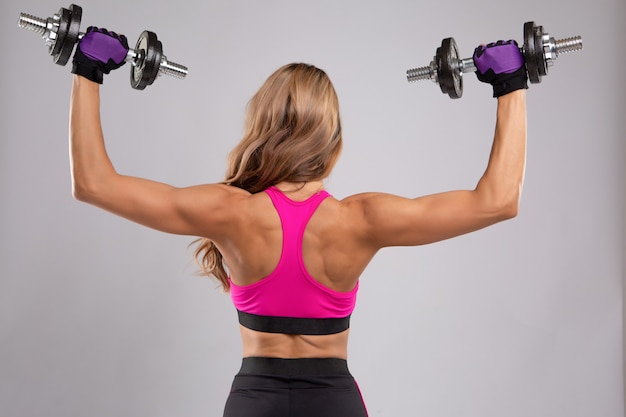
146, 66
151, 72
542, 65
158, 57
61, 32
449, 73
76, 14
530, 53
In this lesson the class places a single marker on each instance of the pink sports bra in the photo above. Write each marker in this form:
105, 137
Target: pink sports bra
290, 300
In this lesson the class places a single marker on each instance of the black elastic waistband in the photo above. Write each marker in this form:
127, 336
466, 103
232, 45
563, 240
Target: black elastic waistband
292, 325
294, 367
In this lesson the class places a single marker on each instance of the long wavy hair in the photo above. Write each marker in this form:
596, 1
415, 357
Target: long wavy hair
292, 133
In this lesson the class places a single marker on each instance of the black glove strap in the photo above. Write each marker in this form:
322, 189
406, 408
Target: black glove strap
510, 84
505, 83
88, 70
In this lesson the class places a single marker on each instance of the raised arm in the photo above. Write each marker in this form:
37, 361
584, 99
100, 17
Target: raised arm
200, 211
396, 221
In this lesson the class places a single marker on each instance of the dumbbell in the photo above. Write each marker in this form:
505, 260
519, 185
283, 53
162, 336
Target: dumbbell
539, 50
61, 32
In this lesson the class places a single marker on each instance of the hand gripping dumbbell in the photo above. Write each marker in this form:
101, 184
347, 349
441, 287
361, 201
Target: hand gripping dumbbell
61, 32
540, 51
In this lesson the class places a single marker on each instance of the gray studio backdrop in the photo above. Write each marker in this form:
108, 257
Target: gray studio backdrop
100, 317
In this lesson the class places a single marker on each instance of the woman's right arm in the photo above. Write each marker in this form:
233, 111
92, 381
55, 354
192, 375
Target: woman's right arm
389, 220
395, 221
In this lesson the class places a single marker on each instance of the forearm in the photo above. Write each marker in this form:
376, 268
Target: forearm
502, 182
90, 164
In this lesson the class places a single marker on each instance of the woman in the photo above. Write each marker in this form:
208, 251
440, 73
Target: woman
294, 253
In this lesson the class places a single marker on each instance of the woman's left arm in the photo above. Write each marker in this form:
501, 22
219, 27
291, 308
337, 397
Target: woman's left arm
204, 210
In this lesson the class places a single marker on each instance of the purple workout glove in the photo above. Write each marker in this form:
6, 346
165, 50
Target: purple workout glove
99, 52
501, 64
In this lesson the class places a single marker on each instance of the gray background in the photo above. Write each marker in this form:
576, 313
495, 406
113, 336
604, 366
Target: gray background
102, 317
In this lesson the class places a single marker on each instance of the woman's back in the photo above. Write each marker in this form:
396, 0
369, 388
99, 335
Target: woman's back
331, 253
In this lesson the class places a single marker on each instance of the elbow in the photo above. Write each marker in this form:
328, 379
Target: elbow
80, 193
511, 210
502, 205
90, 187
83, 191
508, 208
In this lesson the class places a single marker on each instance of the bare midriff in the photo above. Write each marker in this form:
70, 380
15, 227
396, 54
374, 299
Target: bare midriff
288, 346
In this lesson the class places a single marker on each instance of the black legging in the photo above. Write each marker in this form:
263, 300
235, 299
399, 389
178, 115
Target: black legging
272, 387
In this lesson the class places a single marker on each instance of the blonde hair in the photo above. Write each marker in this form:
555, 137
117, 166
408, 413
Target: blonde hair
292, 133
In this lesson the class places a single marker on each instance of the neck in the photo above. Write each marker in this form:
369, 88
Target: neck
301, 188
